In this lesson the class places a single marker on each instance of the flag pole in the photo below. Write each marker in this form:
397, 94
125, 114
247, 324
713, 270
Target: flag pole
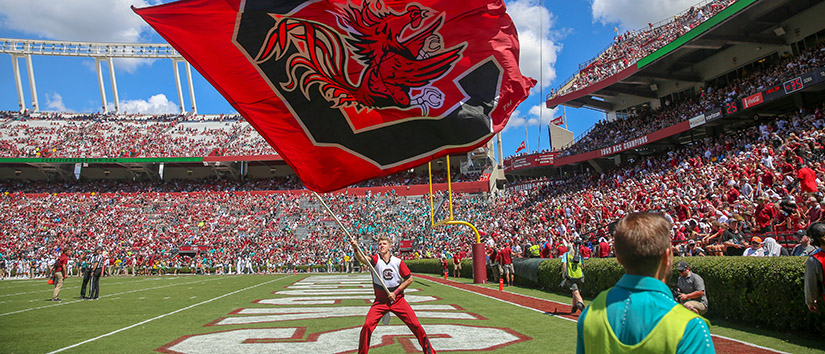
565, 117
357, 249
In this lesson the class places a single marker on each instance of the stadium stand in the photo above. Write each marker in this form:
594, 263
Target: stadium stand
631, 46
702, 188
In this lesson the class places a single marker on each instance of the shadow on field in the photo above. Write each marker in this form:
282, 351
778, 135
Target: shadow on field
797, 338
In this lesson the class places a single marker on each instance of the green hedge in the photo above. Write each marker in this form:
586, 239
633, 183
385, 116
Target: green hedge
759, 292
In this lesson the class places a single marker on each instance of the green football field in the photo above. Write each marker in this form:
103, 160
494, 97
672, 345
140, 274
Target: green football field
295, 314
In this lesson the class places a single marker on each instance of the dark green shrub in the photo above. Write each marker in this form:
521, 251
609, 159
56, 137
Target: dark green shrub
760, 292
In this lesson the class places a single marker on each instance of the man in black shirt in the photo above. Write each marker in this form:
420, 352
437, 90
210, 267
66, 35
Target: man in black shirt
733, 239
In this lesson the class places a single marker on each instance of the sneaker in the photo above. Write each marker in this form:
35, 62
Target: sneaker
57, 300
580, 305
573, 310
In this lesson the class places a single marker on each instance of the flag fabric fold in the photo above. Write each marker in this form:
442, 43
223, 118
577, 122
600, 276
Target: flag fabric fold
351, 90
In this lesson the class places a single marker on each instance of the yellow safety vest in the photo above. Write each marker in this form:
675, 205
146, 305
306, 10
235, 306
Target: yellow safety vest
664, 338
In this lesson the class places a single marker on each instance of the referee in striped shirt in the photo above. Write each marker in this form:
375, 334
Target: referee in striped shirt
96, 266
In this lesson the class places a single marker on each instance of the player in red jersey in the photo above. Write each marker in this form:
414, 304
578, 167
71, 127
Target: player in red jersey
397, 277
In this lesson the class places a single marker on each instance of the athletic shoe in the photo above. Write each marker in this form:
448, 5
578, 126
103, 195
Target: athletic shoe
580, 305
573, 310
57, 300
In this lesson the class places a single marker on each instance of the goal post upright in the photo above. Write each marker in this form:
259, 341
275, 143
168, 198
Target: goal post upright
479, 256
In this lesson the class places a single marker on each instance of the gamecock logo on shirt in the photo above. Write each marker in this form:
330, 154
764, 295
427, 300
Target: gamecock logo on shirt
387, 273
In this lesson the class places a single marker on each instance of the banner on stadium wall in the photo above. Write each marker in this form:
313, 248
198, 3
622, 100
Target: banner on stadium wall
713, 115
753, 100
697, 121
530, 161
100, 160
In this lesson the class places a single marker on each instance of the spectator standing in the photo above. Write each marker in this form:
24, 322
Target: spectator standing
815, 269
60, 268
620, 318
691, 289
505, 258
456, 265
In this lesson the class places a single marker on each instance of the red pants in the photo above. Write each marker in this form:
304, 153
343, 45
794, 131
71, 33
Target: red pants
401, 309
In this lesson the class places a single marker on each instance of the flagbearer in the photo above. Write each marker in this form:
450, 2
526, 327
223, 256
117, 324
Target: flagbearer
397, 277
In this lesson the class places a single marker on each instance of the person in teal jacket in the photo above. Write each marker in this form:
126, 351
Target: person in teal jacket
639, 314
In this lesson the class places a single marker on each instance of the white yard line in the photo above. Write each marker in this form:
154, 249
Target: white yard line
574, 321
162, 316
121, 293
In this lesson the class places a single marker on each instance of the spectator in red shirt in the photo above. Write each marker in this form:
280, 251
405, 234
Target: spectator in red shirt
807, 179
604, 248
505, 258
765, 214
60, 272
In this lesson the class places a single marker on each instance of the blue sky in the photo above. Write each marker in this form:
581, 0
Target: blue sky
568, 33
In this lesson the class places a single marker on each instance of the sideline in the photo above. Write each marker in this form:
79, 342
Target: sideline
49, 290
719, 341
115, 294
164, 315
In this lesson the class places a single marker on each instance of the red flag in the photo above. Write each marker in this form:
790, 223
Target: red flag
348, 90
558, 121
521, 147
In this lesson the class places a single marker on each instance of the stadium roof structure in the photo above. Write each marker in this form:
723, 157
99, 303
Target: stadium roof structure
101, 52
744, 22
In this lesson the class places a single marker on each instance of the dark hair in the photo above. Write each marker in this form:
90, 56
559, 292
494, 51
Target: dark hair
640, 241
816, 232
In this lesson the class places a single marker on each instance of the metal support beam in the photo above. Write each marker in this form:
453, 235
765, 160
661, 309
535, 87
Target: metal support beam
32, 86
21, 101
635, 91
592, 103
671, 76
744, 39
114, 84
191, 88
177, 85
99, 67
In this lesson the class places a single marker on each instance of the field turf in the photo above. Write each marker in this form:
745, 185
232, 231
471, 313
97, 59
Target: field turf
269, 314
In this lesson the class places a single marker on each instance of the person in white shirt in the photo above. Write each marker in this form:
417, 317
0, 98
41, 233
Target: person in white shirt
755, 250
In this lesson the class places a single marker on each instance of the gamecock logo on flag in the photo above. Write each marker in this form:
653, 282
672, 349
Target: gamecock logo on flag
351, 90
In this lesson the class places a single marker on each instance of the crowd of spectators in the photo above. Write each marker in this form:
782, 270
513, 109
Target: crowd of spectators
55, 135
764, 181
629, 47
645, 121
747, 192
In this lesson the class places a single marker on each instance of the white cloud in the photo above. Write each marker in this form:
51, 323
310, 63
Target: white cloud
636, 14
537, 39
516, 120
77, 20
157, 104
54, 102
540, 113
